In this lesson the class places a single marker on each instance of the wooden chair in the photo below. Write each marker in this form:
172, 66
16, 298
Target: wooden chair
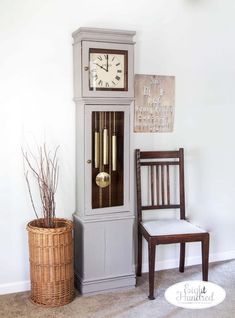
165, 231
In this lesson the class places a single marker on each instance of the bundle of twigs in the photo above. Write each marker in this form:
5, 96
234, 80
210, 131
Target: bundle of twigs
45, 170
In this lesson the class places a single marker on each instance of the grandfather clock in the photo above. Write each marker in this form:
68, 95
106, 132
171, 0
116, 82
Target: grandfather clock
104, 218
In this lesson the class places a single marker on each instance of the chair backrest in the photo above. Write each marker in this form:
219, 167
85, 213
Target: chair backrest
159, 183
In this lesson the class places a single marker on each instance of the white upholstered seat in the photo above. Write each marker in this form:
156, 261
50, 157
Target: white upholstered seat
170, 227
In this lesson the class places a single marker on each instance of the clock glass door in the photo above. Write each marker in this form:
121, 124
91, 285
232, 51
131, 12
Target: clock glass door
107, 158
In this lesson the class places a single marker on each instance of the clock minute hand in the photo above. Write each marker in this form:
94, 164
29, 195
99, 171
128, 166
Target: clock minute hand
101, 67
107, 67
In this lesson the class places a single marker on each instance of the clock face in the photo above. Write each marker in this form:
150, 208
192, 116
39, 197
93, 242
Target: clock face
108, 69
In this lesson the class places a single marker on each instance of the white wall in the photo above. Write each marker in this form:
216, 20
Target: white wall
191, 39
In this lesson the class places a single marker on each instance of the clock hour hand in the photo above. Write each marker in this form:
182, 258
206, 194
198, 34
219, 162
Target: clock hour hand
101, 66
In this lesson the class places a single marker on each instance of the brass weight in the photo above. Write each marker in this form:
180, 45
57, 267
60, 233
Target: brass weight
97, 150
114, 153
105, 146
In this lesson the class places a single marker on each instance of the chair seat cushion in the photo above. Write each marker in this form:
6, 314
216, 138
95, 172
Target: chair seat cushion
170, 227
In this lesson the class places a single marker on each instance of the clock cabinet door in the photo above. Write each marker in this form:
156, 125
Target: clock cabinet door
107, 69
107, 159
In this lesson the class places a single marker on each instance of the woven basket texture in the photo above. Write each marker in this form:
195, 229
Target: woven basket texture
51, 262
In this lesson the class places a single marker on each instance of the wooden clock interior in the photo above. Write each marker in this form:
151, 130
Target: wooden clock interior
107, 158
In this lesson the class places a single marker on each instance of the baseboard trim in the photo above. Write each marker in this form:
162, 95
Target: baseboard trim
21, 286
15, 287
189, 261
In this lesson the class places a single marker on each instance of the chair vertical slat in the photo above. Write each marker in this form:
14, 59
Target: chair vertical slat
168, 185
152, 186
157, 185
163, 192
181, 179
138, 185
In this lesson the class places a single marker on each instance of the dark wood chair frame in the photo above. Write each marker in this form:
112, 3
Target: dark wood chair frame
142, 159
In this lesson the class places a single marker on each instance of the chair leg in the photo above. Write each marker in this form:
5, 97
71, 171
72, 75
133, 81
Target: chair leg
182, 257
139, 254
151, 251
205, 257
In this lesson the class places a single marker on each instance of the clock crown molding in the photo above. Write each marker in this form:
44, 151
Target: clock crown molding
103, 35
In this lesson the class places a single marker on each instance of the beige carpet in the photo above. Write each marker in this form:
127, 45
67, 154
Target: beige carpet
132, 303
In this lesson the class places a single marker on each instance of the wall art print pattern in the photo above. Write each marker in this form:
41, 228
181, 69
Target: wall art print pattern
154, 103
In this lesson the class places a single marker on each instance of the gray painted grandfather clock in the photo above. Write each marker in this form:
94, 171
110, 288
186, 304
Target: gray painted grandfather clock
104, 218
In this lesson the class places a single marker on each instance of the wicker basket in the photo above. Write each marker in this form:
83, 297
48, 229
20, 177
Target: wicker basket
51, 262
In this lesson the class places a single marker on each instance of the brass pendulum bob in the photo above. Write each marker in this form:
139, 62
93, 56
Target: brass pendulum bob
103, 179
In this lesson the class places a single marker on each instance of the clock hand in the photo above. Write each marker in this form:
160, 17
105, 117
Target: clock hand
107, 67
101, 66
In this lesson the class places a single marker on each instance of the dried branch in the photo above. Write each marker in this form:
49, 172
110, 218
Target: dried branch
46, 172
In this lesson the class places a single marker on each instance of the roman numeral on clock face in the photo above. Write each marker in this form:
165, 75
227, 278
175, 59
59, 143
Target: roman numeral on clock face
117, 78
100, 83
